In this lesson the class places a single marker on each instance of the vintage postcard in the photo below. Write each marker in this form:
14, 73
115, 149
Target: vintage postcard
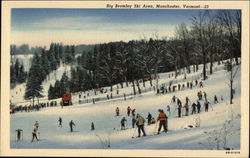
125, 78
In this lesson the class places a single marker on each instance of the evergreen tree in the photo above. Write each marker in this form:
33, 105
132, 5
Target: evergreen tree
22, 75
33, 86
51, 93
64, 84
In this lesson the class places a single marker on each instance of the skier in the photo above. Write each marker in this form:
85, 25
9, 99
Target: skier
133, 112
193, 108
199, 94
149, 118
34, 135
201, 84
71, 124
187, 100
92, 126
196, 82
187, 84
174, 88
179, 107
179, 87
19, 134
205, 95
162, 117
186, 106
173, 99
191, 84
60, 122
133, 121
128, 110
168, 109
206, 103
123, 123
36, 125
215, 99
198, 106
140, 124
117, 111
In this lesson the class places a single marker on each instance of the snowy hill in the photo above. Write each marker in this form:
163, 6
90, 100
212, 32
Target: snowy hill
102, 113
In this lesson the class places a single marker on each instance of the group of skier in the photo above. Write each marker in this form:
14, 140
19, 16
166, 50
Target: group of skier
162, 118
196, 106
173, 88
30, 108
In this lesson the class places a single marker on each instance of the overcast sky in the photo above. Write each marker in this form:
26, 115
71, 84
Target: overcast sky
40, 27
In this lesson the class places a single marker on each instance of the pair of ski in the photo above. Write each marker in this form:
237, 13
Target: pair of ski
149, 135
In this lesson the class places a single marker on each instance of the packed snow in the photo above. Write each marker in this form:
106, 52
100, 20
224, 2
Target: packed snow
107, 133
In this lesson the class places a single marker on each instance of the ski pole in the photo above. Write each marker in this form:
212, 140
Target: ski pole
155, 127
134, 133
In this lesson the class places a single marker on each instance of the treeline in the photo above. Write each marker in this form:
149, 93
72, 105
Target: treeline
212, 37
26, 49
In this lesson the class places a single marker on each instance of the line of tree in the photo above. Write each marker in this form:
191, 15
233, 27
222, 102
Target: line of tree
213, 36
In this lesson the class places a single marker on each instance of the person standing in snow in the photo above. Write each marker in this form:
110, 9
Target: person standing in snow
60, 122
162, 117
133, 112
117, 111
36, 125
201, 84
173, 99
123, 123
186, 106
215, 99
187, 100
140, 124
206, 103
179, 107
149, 118
193, 108
198, 106
92, 126
71, 124
133, 121
34, 135
168, 109
128, 110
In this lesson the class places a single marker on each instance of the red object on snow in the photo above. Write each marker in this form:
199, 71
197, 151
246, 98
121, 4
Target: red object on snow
66, 99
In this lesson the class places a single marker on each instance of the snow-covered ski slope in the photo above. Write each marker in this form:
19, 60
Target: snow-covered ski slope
106, 123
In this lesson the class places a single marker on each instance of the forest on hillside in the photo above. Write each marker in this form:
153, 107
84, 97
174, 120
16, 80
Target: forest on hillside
212, 37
